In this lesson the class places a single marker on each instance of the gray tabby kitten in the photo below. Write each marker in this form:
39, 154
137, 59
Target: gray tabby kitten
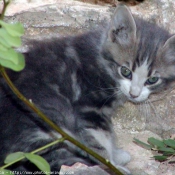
78, 81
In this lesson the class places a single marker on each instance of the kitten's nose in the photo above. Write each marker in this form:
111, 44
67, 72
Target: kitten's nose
132, 95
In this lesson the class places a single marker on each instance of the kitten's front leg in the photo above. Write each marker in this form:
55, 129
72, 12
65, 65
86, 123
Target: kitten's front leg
102, 140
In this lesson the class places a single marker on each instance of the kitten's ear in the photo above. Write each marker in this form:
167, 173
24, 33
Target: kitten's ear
123, 28
169, 50
168, 56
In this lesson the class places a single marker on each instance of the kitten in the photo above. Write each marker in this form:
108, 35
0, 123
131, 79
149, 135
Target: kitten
78, 81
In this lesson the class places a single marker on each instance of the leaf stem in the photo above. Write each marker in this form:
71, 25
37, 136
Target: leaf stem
4, 8
46, 119
34, 152
48, 145
54, 126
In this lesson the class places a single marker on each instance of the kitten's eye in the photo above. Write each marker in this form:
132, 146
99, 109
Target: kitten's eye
126, 72
152, 80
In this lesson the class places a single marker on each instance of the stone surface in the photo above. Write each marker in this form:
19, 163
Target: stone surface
54, 18
81, 169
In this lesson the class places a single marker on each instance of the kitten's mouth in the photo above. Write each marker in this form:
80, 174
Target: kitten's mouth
130, 99
133, 100
136, 100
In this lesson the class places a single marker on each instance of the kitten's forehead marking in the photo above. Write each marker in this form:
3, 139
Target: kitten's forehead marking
138, 78
142, 70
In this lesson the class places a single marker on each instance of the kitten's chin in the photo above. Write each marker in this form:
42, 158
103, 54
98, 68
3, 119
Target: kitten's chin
136, 100
140, 99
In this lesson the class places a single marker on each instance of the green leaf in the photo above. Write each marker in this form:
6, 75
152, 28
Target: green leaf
9, 55
3, 42
170, 142
142, 144
160, 158
9, 40
15, 30
5, 172
169, 150
13, 60
13, 156
155, 142
167, 153
3, 48
40, 162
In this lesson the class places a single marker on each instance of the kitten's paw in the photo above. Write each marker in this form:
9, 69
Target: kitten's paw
121, 157
124, 170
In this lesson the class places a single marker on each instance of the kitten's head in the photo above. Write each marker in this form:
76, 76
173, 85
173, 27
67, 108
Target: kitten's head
143, 55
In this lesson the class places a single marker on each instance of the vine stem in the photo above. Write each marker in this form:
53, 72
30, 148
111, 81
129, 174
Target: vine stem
32, 106
34, 152
4, 8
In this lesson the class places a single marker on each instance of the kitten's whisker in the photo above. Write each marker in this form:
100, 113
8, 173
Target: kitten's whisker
147, 108
116, 93
163, 96
140, 107
115, 89
144, 108
153, 108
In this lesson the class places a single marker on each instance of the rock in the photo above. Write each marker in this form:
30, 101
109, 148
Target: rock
159, 11
63, 17
81, 169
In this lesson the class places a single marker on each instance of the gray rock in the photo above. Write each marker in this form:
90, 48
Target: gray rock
81, 169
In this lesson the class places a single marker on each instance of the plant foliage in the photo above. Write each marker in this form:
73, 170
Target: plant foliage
165, 148
9, 39
37, 160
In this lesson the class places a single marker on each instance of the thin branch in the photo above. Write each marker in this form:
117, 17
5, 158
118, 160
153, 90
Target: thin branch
5, 4
54, 126
46, 119
34, 152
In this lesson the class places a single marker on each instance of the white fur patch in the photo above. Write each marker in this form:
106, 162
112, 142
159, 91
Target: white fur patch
104, 139
71, 53
136, 87
75, 87
115, 156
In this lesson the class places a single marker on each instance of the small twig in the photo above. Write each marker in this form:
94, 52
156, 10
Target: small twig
5, 4
54, 126
34, 152
46, 119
